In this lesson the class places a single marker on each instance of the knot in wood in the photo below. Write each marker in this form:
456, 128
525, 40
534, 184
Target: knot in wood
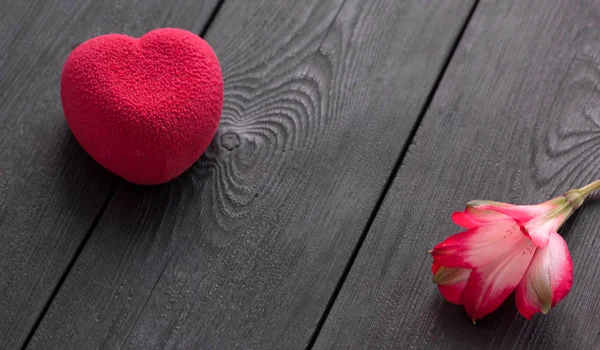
230, 141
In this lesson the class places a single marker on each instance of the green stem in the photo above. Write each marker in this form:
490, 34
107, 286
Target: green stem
577, 196
586, 190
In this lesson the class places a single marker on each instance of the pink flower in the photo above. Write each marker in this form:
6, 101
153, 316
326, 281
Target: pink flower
507, 248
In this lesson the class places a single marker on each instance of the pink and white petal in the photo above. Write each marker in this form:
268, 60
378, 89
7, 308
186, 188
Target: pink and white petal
540, 229
490, 285
520, 213
548, 279
451, 282
561, 268
478, 246
473, 217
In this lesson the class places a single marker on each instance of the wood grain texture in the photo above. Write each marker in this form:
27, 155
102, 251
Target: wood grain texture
245, 250
516, 119
50, 190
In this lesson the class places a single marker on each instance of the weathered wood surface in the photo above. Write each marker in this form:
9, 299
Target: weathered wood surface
516, 119
50, 191
246, 248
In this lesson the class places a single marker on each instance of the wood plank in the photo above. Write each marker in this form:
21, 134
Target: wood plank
50, 190
516, 119
246, 249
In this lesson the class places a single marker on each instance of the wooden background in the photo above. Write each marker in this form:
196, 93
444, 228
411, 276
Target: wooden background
350, 132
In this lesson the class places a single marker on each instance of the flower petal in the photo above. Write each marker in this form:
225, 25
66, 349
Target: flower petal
491, 284
473, 217
520, 213
539, 232
478, 246
451, 282
547, 280
540, 228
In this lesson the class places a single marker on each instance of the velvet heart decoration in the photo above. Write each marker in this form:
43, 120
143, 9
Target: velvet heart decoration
145, 109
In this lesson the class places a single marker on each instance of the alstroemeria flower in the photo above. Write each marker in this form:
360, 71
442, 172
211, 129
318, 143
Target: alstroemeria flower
508, 248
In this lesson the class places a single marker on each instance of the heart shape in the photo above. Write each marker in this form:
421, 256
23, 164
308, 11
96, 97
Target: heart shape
145, 109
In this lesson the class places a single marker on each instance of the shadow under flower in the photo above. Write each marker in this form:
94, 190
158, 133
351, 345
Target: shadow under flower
505, 328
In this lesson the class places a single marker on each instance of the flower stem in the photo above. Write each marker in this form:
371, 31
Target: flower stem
577, 196
586, 190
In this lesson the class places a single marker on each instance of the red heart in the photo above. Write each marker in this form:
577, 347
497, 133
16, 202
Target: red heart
145, 109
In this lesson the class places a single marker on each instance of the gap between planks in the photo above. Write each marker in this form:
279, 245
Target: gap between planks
86, 238
391, 177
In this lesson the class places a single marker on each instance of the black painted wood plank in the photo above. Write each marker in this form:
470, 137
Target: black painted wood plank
516, 119
246, 249
50, 190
